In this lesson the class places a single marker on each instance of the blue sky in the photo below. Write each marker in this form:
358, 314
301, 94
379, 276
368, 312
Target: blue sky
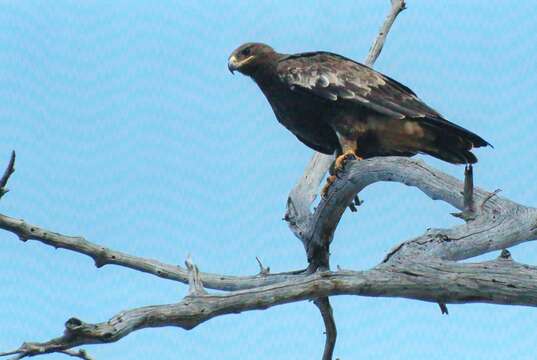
130, 131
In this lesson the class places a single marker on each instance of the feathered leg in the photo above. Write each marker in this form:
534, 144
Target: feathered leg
349, 152
349, 149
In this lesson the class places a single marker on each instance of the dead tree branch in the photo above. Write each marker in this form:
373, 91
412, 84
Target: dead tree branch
330, 325
316, 240
10, 169
378, 44
419, 268
499, 281
106, 256
423, 268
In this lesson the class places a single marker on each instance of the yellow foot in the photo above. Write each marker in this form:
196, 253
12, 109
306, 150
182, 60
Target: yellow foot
338, 166
343, 158
329, 181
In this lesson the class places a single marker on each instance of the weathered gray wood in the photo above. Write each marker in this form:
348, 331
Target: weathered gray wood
303, 195
499, 223
378, 44
502, 281
106, 256
195, 285
325, 308
422, 268
417, 269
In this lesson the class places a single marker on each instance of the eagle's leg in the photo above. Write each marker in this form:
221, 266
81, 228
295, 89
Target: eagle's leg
350, 151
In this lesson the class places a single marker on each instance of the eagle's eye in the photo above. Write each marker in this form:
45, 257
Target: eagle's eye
246, 52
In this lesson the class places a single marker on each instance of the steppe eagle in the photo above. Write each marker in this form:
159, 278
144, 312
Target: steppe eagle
336, 105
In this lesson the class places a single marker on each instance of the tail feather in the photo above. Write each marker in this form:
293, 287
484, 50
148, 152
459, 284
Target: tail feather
450, 142
454, 156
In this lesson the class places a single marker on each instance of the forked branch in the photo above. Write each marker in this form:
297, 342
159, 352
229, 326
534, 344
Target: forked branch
422, 268
501, 281
416, 269
317, 242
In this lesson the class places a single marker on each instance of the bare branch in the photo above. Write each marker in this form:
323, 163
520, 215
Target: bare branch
298, 215
105, 256
499, 282
195, 286
262, 270
501, 224
469, 189
80, 354
378, 44
330, 325
10, 169
27, 349
7, 353
469, 212
420, 268
303, 195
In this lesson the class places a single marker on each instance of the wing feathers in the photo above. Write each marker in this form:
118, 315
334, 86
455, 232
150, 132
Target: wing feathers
334, 78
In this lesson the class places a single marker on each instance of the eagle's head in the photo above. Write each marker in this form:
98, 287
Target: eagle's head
248, 57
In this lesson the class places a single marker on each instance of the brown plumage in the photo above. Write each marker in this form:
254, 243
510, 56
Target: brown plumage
334, 104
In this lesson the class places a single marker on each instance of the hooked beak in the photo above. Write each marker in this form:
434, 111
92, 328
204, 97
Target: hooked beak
233, 64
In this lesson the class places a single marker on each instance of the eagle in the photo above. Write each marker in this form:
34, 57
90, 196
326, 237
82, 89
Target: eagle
336, 105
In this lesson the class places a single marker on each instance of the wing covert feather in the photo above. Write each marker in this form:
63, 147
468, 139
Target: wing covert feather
337, 78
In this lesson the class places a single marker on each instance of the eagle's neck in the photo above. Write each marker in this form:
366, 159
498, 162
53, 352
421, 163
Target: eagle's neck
266, 71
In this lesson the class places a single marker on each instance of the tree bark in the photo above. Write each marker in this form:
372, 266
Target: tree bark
424, 268
420, 268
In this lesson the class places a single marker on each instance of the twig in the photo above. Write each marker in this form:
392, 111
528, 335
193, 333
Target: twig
443, 308
264, 271
195, 286
468, 213
10, 169
378, 44
7, 353
469, 189
32, 349
80, 354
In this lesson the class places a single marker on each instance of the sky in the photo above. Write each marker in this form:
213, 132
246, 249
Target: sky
130, 131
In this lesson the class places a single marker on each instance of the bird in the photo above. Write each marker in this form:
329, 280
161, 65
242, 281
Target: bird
339, 106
